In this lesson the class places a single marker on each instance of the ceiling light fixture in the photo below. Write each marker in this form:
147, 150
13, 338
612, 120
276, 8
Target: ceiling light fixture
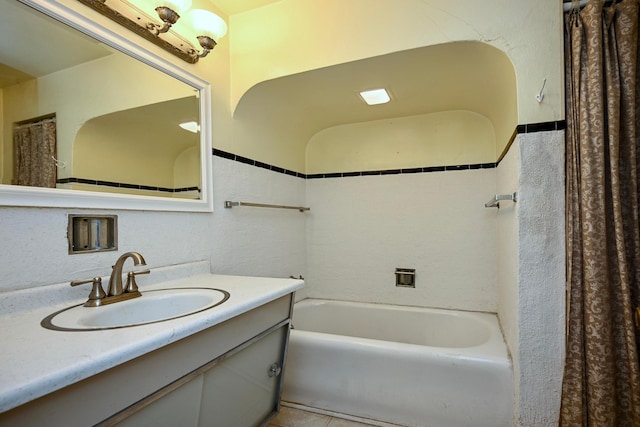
209, 28
375, 96
190, 126
197, 29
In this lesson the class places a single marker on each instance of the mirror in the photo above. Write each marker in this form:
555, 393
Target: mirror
91, 119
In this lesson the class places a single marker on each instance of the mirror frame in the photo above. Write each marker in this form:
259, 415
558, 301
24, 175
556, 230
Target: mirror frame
11, 195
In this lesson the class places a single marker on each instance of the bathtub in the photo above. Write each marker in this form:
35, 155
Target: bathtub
403, 365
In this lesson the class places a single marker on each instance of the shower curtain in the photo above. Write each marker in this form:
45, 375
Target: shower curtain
601, 385
34, 147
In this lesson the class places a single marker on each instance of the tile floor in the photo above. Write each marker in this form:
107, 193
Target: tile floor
291, 417
294, 417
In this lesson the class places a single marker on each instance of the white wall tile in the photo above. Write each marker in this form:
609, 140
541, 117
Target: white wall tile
257, 241
362, 228
508, 181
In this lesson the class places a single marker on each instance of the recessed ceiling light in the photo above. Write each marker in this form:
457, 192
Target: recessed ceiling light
190, 126
375, 96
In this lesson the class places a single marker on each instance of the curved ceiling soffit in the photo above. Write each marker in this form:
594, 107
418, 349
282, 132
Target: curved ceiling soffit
470, 75
139, 125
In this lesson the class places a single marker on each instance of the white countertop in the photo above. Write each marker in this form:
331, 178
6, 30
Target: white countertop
35, 361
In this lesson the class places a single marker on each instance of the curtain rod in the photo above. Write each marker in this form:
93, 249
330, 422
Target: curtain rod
567, 4
35, 122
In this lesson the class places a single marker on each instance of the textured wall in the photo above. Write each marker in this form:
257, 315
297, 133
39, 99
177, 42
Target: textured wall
541, 279
34, 246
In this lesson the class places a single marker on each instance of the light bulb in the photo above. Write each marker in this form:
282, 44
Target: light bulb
205, 23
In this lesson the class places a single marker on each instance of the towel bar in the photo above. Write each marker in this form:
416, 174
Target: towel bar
495, 201
229, 204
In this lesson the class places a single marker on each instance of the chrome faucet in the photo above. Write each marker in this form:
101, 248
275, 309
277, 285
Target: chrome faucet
115, 281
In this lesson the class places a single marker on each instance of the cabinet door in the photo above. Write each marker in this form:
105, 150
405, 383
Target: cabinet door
244, 389
176, 409
239, 389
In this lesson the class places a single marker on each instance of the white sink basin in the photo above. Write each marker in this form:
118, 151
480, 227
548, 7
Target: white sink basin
153, 306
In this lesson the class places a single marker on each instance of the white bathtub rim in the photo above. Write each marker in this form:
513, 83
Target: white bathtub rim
493, 349
320, 301
476, 354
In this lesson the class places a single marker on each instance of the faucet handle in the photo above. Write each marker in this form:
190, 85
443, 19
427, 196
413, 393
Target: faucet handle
131, 285
96, 294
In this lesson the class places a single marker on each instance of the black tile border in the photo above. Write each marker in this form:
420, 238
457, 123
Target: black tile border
251, 162
404, 171
128, 186
520, 129
542, 127
532, 128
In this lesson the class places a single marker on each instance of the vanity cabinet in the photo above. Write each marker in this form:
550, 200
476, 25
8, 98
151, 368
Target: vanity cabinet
228, 375
237, 389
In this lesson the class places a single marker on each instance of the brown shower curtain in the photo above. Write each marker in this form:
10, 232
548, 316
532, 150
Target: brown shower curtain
601, 385
34, 147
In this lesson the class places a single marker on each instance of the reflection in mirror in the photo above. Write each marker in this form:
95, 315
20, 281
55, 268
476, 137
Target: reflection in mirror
114, 120
142, 150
